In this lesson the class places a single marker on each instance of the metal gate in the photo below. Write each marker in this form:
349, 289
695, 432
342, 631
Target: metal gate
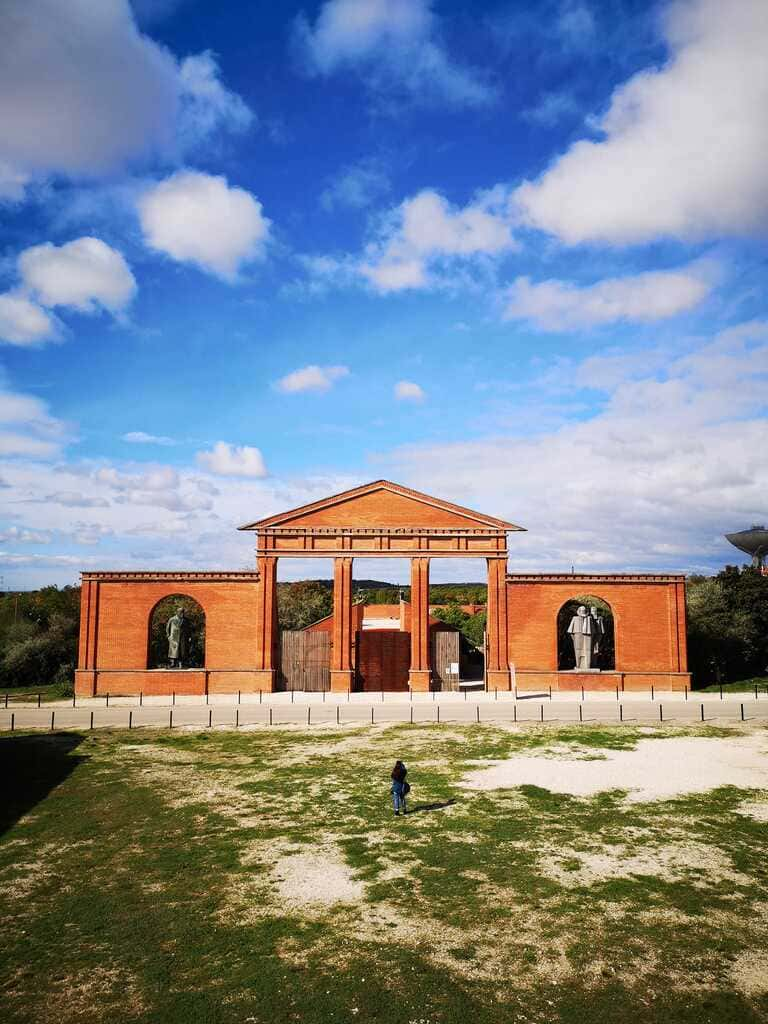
444, 653
383, 659
305, 660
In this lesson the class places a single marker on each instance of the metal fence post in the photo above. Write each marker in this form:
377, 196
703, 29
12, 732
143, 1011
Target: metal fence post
170, 718
411, 714
91, 720
514, 712
702, 710
542, 712
371, 714
141, 698
237, 717
438, 714
742, 712
581, 715
13, 718
130, 719
338, 709
651, 691
621, 712
52, 716
661, 713
74, 698
210, 717
309, 712
477, 708
270, 716
39, 698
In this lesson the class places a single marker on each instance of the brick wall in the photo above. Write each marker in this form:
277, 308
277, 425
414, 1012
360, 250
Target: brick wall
116, 617
648, 614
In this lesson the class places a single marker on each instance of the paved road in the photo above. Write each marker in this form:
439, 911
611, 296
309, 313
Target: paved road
360, 712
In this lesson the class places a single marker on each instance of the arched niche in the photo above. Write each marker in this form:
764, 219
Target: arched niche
194, 616
601, 642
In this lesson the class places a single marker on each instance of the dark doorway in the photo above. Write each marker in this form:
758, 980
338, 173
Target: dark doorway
383, 659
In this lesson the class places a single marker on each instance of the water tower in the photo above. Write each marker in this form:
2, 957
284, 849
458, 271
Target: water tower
752, 542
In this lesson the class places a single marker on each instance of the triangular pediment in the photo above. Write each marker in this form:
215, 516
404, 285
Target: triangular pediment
382, 504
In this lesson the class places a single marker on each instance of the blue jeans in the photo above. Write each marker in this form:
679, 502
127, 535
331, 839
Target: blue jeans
398, 796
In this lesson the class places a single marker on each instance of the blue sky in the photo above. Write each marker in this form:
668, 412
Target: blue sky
512, 254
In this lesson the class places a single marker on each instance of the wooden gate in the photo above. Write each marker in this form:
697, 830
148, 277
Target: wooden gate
383, 659
444, 653
305, 660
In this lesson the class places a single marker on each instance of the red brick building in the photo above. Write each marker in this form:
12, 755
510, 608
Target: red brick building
377, 520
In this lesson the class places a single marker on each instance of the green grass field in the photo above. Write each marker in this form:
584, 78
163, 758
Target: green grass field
261, 877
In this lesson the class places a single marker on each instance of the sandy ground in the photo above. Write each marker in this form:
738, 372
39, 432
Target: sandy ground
322, 878
658, 769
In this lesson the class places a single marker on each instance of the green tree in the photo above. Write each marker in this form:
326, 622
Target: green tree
472, 626
300, 604
727, 625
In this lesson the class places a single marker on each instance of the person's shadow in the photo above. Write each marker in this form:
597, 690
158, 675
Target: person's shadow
419, 808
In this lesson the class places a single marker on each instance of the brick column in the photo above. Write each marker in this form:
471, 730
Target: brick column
497, 669
419, 675
341, 650
85, 676
266, 623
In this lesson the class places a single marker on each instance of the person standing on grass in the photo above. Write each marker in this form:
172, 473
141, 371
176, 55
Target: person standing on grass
400, 787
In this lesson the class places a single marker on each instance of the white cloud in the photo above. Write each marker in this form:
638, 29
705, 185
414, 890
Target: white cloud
18, 535
641, 298
83, 93
356, 186
22, 444
23, 322
425, 231
206, 104
622, 488
407, 391
198, 218
35, 434
83, 274
395, 45
311, 378
229, 460
80, 93
75, 499
139, 437
684, 146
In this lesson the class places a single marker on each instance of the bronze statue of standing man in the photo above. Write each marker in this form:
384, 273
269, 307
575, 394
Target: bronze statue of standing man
177, 632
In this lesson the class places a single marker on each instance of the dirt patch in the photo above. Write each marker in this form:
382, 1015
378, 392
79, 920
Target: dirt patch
658, 769
756, 809
749, 973
316, 879
693, 862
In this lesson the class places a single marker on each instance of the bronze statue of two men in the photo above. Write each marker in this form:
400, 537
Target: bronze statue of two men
587, 630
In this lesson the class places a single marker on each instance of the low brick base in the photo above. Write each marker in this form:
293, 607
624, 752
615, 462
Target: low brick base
498, 679
341, 680
635, 682
165, 682
419, 680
